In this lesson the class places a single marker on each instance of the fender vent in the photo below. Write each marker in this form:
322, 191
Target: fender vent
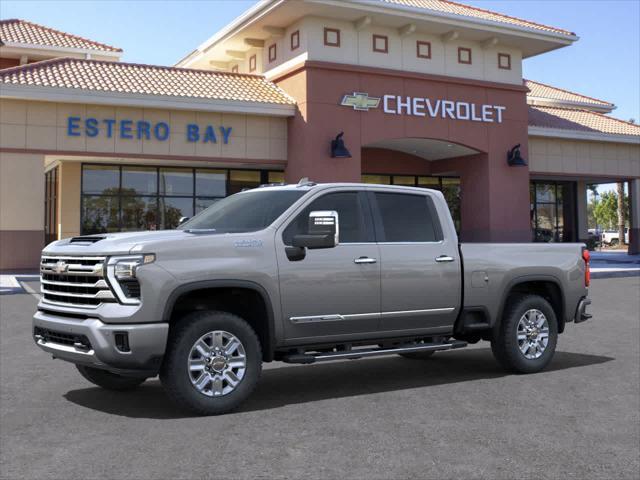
86, 239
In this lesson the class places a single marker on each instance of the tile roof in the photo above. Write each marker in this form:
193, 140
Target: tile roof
118, 77
579, 120
21, 31
444, 6
537, 89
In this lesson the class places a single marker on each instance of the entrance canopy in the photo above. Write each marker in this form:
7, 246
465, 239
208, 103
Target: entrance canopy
427, 148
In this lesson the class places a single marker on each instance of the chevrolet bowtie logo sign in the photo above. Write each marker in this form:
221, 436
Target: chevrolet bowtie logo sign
360, 101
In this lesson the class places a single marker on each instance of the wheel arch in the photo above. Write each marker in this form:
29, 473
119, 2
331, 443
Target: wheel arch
547, 286
264, 329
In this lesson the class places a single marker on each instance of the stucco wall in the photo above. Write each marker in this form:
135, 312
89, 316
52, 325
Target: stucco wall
579, 157
43, 126
21, 209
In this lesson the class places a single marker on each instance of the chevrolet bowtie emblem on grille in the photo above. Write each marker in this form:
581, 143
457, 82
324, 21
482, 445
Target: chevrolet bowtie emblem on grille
60, 266
360, 101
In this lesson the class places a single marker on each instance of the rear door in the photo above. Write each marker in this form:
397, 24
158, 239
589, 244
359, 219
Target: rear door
334, 292
420, 267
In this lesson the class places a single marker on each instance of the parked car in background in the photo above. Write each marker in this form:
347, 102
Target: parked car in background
612, 237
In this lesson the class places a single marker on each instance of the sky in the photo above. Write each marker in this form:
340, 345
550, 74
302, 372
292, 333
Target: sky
604, 63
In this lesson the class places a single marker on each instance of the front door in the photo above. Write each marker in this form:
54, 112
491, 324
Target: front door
335, 292
421, 274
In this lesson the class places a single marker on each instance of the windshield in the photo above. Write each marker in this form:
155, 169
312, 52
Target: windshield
244, 212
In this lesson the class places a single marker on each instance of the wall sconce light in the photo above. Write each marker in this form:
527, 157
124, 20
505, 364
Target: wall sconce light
514, 159
338, 150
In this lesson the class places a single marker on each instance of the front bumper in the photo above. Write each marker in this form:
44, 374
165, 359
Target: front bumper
581, 311
93, 343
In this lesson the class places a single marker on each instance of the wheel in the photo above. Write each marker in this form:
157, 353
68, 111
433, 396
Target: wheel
417, 355
212, 363
614, 242
527, 337
108, 380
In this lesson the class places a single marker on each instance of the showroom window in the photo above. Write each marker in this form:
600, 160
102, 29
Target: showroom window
51, 206
128, 198
553, 211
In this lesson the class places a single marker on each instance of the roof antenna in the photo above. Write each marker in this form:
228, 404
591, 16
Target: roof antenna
303, 181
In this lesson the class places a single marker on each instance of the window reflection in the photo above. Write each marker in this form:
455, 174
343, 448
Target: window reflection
139, 180
139, 213
100, 214
133, 197
100, 179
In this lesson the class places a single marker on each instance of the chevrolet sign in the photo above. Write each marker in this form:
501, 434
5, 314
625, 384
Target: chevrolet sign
426, 107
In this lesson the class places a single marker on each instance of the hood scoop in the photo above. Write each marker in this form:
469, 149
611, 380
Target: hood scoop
87, 240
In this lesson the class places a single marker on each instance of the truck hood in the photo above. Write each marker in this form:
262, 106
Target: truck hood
118, 243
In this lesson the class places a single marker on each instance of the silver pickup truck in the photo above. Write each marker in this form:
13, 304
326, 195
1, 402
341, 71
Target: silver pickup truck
298, 273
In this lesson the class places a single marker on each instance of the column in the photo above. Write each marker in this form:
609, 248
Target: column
581, 203
634, 220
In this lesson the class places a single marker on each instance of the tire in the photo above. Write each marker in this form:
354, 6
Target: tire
509, 345
108, 380
417, 355
202, 380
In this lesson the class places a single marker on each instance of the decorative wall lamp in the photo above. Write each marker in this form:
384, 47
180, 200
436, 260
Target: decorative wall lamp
514, 159
338, 150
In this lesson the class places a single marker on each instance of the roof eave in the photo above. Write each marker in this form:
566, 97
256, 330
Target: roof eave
51, 48
569, 36
550, 102
76, 95
264, 6
535, 131
240, 22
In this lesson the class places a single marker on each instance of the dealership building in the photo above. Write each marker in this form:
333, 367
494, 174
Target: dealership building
428, 93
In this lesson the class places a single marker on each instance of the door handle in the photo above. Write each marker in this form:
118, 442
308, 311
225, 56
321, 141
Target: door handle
364, 260
444, 258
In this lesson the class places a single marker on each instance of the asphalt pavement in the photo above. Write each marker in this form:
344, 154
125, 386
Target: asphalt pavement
456, 415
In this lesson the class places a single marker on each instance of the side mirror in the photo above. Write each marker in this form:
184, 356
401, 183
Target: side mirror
183, 220
323, 231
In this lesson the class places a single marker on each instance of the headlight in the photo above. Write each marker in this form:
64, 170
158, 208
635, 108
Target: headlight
125, 267
122, 274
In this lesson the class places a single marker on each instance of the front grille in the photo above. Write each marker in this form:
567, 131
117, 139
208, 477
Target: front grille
74, 281
61, 338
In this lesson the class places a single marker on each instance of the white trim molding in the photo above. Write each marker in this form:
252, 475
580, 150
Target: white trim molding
33, 49
553, 103
73, 95
581, 135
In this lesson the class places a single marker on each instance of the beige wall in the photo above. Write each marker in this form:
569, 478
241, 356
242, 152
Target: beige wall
43, 126
21, 210
579, 157
21, 191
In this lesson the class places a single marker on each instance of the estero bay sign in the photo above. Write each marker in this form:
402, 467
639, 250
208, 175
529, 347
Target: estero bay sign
144, 130
426, 107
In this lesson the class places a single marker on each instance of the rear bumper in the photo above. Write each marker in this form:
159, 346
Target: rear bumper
93, 343
581, 311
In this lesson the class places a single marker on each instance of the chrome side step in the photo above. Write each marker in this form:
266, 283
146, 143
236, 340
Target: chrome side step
371, 352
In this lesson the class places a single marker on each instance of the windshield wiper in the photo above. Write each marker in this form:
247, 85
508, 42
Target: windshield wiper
200, 230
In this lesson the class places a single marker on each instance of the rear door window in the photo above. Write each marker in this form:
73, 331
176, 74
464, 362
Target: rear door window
402, 217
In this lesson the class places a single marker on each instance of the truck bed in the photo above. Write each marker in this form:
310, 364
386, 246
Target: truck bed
490, 269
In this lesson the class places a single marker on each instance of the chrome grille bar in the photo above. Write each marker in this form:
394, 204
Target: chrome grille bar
76, 281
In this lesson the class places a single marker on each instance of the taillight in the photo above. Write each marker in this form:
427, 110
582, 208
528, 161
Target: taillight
586, 256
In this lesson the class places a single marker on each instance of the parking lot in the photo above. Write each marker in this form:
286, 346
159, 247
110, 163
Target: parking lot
456, 415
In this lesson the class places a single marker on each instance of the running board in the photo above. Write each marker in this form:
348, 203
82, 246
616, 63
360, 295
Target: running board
372, 352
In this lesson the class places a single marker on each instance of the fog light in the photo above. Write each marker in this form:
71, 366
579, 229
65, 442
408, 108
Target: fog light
122, 341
